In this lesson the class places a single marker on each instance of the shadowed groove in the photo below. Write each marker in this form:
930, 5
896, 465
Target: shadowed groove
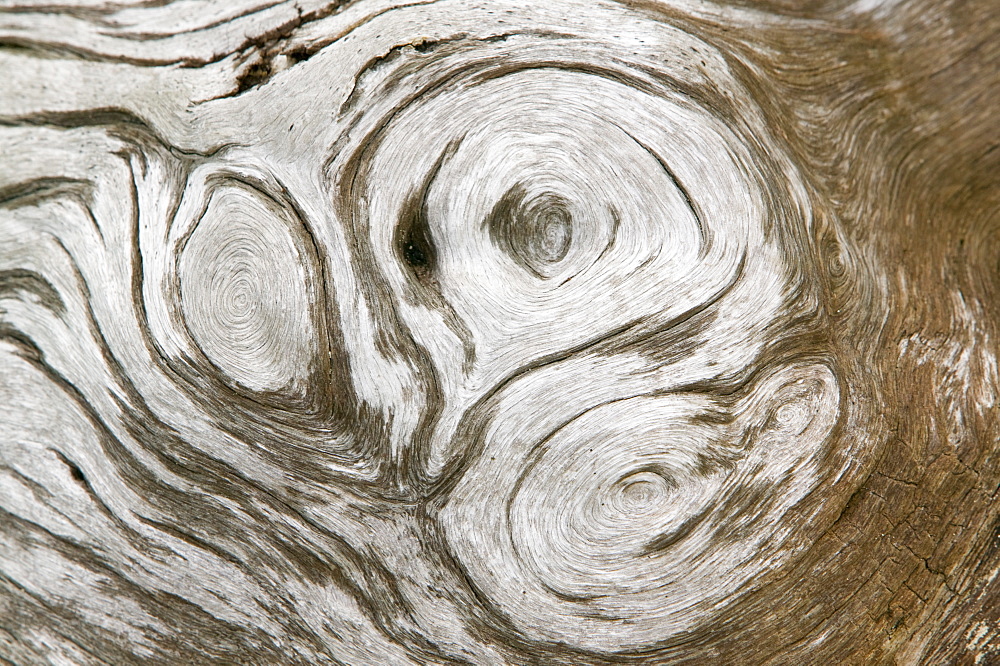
439, 332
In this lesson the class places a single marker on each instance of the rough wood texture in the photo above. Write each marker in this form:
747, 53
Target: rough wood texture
446, 332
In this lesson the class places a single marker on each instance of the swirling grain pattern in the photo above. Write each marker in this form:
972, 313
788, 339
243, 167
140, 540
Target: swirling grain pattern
379, 332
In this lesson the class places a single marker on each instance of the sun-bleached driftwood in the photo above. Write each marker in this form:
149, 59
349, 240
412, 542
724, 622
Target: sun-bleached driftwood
565, 332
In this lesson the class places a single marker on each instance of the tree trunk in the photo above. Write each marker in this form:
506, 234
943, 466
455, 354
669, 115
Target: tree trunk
563, 332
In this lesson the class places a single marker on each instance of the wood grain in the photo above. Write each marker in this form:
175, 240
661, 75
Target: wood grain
378, 332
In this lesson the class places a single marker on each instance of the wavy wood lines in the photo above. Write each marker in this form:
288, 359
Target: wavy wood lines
499, 333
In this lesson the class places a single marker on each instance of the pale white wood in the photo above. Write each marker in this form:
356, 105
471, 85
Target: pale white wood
384, 332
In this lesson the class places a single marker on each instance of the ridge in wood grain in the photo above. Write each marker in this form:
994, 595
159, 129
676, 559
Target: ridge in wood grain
570, 333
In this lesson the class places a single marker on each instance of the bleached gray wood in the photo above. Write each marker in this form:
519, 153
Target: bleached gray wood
572, 332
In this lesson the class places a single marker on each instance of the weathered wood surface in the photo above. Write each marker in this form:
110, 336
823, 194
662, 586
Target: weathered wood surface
448, 332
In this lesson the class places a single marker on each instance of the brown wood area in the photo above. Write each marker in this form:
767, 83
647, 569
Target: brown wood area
450, 332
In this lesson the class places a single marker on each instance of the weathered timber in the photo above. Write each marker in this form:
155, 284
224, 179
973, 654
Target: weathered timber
569, 332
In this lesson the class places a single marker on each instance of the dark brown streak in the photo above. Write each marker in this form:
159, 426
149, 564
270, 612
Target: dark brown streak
616, 223
706, 233
220, 472
39, 190
454, 468
414, 222
379, 293
321, 401
168, 607
63, 49
422, 47
72, 619
152, 36
35, 358
16, 280
413, 239
609, 343
133, 470
141, 542
28, 192
657, 336
40, 491
118, 122
84, 12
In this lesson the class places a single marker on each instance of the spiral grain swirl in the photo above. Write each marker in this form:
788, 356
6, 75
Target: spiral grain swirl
244, 291
449, 332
